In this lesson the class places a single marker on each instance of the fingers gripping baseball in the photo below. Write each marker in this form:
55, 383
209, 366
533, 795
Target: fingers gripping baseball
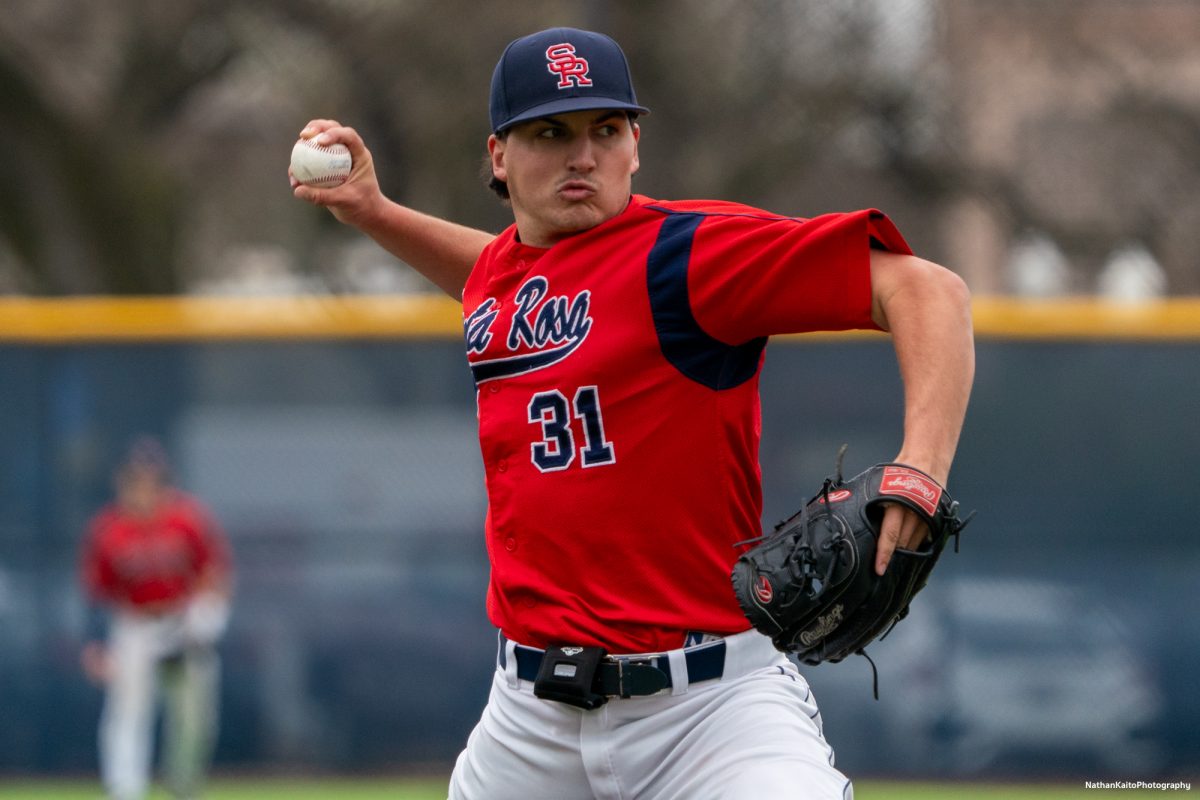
359, 194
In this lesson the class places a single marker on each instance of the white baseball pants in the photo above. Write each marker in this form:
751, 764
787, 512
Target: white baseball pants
136, 647
753, 734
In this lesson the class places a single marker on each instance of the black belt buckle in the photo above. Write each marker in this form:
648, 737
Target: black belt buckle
568, 675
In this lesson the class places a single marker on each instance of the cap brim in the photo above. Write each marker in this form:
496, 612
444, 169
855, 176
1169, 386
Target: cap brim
568, 104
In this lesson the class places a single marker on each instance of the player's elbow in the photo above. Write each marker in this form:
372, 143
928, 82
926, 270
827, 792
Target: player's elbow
952, 291
901, 282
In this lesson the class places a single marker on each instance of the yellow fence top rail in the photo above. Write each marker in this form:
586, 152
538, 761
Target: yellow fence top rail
96, 320
109, 319
1087, 318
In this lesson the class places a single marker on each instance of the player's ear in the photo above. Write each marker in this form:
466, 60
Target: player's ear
496, 152
637, 134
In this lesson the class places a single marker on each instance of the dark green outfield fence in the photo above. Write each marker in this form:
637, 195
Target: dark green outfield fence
340, 456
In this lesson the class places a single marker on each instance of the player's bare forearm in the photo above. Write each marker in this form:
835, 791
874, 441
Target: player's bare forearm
442, 251
927, 309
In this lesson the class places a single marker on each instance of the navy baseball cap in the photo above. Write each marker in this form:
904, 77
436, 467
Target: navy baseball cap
146, 453
560, 70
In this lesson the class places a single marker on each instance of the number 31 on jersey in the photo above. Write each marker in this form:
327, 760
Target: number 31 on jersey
558, 446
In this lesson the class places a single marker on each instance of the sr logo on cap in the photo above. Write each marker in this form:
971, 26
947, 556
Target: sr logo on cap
567, 66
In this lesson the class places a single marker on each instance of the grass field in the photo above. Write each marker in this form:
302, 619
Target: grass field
408, 789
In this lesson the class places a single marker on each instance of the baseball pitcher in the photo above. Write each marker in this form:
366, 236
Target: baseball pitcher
616, 342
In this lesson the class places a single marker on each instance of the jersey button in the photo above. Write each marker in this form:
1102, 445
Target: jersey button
502, 466
510, 544
493, 388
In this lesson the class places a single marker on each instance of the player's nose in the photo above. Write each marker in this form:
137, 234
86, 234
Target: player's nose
581, 157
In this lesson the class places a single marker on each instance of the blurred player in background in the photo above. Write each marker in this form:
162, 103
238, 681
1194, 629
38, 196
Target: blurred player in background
616, 343
156, 561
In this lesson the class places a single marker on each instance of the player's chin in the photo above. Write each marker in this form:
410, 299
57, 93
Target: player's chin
580, 215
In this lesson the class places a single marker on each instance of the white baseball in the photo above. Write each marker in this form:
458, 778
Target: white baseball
320, 167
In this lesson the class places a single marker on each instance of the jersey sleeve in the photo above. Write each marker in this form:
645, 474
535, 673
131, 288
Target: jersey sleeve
95, 569
753, 275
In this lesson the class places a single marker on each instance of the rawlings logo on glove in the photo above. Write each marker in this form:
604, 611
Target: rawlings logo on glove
825, 626
811, 585
916, 486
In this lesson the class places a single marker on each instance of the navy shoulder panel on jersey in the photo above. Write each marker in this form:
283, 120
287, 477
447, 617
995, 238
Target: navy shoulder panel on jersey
690, 350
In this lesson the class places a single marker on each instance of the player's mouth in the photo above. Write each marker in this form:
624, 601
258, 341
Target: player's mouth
575, 190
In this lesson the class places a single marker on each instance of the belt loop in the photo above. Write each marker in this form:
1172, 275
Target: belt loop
748, 651
510, 662
677, 660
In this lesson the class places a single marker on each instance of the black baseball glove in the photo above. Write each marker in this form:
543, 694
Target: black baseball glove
811, 584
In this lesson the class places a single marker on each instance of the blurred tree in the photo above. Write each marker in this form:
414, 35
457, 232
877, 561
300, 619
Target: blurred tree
1080, 119
103, 209
147, 126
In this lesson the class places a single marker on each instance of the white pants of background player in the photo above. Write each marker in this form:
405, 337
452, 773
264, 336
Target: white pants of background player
147, 656
755, 733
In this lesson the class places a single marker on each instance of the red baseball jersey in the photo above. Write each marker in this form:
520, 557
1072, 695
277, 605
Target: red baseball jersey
151, 562
619, 421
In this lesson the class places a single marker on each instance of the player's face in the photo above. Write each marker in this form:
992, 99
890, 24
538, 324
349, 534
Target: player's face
139, 490
566, 173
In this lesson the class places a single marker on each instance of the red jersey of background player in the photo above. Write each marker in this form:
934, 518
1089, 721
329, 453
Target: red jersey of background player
617, 377
152, 563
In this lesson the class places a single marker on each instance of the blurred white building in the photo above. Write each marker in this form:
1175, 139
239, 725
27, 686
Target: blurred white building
1131, 274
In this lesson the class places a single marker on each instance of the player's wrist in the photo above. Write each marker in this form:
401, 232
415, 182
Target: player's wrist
933, 465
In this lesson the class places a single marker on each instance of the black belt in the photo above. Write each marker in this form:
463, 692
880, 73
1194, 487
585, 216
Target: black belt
634, 675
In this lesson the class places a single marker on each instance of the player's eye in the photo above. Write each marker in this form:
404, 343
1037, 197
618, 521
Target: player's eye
550, 133
607, 130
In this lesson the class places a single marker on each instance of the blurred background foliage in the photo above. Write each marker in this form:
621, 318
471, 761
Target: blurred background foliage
1038, 148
